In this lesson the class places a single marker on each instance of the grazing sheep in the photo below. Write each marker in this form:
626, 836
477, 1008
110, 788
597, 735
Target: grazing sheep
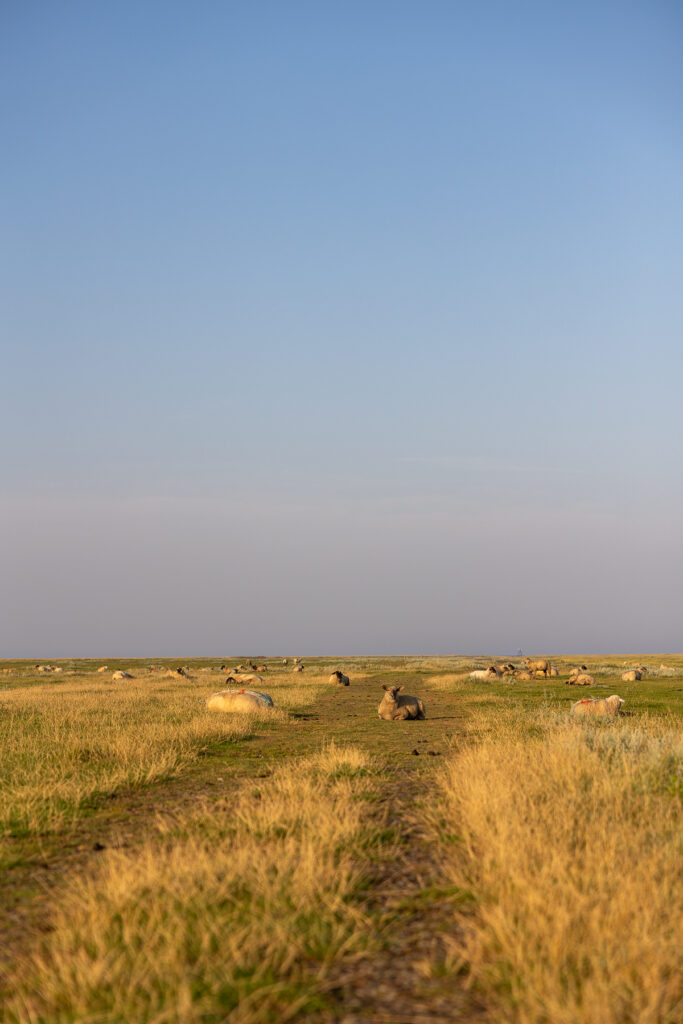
239, 700
395, 709
541, 665
122, 675
598, 706
243, 677
339, 677
631, 676
581, 679
299, 668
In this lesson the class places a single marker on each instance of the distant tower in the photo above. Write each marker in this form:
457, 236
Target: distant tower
519, 653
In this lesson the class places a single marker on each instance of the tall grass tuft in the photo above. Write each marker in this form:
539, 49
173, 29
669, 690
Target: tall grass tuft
572, 843
230, 916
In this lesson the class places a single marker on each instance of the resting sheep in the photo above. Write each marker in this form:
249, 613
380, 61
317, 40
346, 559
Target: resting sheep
630, 677
396, 709
581, 679
239, 700
339, 677
121, 675
243, 677
298, 668
598, 706
480, 673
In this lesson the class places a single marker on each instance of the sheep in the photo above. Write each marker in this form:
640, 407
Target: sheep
598, 706
295, 661
493, 671
339, 677
299, 668
542, 665
239, 700
581, 679
480, 673
631, 676
243, 677
395, 709
538, 674
553, 671
285, 661
523, 675
260, 668
120, 674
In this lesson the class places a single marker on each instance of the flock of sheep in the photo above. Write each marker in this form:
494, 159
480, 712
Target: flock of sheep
395, 707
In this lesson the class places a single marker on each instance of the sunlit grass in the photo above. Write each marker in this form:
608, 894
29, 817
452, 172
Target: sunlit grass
570, 837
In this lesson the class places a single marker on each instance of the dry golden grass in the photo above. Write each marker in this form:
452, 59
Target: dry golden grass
572, 845
231, 915
64, 742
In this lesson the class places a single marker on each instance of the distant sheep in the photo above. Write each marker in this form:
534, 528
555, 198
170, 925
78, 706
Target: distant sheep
480, 673
239, 700
598, 706
295, 661
581, 679
339, 678
285, 661
631, 676
260, 668
395, 709
243, 677
299, 668
122, 675
540, 665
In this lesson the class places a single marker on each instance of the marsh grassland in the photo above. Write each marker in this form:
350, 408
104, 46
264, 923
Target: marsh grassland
500, 861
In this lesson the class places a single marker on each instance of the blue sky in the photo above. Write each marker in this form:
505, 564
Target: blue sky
346, 328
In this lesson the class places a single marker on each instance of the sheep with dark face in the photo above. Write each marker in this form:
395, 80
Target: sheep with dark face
339, 678
397, 709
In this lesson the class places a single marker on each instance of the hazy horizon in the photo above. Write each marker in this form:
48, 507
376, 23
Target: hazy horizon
347, 329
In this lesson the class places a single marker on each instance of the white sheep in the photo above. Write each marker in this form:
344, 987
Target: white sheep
239, 700
581, 679
243, 677
395, 709
122, 675
631, 676
598, 706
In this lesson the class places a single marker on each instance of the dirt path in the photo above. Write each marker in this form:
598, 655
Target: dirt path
404, 979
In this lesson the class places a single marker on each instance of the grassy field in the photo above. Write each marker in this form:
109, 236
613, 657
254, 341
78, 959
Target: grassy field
499, 861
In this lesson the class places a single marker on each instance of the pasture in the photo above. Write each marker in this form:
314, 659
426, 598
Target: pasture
500, 860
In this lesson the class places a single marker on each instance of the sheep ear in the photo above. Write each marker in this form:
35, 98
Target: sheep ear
385, 687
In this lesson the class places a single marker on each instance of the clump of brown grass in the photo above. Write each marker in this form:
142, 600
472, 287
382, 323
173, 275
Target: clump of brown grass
64, 743
571, 842
231, 915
